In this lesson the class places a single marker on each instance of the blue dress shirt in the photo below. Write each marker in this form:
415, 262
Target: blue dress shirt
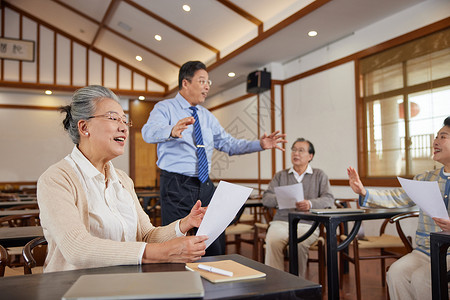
178, 155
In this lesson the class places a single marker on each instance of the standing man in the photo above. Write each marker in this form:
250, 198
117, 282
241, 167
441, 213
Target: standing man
186, 134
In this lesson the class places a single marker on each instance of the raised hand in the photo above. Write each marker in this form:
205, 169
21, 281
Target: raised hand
194, 218
181, 126
355, 182
271, 141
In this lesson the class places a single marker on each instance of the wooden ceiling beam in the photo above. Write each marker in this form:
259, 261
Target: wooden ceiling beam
108, 14
106, 27
283, 24
173, 26
102, 53
243, 13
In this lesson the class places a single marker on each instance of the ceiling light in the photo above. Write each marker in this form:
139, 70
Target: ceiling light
231, 74
48, 92
141, 98
186, 7
312, 33
138, 58
158, 37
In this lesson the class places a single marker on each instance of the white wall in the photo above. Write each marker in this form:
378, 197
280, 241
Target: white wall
34, 139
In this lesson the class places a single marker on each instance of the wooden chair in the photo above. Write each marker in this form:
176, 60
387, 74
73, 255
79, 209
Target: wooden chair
25, 219
389, 246
34, 254
319, 245
236, 230
4, 258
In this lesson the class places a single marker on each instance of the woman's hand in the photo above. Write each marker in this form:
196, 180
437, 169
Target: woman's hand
355, 182
443, 223
194, 218
178, 250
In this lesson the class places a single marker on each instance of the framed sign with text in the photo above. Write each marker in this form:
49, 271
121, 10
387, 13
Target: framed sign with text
17, 49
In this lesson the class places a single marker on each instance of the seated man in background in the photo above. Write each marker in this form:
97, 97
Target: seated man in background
317, 194
410, 276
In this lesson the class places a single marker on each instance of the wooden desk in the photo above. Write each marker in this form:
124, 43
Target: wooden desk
331, 222
16, 203
439, 243
276, 285
19, 236
5, 213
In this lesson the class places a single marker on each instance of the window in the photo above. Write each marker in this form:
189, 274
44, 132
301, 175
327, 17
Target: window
406, 97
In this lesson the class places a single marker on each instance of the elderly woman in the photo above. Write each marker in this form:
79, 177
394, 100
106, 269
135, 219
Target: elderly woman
89, 211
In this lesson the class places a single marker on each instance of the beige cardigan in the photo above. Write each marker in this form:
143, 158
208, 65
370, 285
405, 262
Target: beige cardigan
65, 219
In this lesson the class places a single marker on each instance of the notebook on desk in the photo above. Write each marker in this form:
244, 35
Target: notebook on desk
153, 285
337, 210
240, 272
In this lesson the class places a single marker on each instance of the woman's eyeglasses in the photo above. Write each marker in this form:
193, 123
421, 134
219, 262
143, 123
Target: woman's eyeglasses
113, 116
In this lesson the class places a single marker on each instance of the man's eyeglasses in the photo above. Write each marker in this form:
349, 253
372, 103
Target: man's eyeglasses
203, 82
300, 150
113, 116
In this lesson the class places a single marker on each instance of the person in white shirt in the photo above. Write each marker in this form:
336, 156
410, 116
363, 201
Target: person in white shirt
317, 194
89, 211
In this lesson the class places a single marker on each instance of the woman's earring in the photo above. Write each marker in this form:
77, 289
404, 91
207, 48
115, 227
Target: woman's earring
87, 133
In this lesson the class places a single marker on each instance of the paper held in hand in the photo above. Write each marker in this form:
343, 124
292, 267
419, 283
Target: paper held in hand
225, 204
287, 195
426, 195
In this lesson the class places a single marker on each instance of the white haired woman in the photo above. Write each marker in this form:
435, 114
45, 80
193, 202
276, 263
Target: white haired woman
89, 210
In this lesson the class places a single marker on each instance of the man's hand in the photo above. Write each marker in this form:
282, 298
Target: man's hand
271, 141
303, 205
355, 182
181, 126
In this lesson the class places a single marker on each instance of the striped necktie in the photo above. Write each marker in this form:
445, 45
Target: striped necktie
201, 153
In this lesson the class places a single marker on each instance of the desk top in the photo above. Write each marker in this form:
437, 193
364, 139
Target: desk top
443, 236
19, 236
368, 214
277, 284
5, 213
7, 204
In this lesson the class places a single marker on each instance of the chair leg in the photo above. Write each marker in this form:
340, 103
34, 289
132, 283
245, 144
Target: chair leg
237, 239
383, 270
321, 263
357, 270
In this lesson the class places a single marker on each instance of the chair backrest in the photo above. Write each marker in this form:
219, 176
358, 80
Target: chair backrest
25, 219
346, 203
396, 220
4, 257
34, 253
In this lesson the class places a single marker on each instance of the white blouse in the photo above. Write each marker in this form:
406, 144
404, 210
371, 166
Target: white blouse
112, 212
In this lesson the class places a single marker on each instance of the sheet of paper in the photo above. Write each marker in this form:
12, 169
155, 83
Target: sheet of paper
426, 195
225, 204
287, 195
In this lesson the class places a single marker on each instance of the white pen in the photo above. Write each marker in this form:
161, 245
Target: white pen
215, 270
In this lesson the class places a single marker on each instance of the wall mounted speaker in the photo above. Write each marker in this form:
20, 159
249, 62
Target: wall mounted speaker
258, 82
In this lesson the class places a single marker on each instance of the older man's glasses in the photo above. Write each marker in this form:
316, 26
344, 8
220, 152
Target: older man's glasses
298, 150
113, 116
